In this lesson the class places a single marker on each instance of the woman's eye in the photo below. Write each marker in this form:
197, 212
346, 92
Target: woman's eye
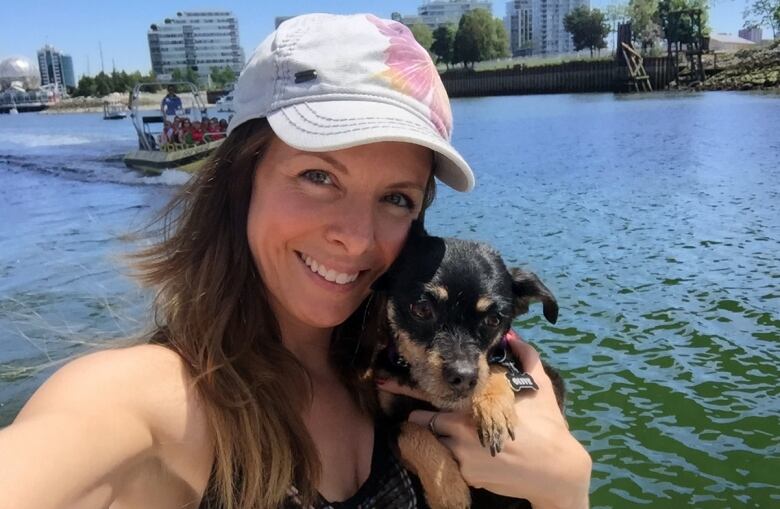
317, 177
492, 321
422, 310
400, 200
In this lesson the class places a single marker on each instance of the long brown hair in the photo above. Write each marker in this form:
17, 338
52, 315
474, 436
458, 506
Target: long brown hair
211, 307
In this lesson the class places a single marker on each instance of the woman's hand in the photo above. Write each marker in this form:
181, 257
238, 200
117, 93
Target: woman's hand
544, 464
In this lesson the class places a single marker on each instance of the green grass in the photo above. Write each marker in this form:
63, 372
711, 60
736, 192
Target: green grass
508, 63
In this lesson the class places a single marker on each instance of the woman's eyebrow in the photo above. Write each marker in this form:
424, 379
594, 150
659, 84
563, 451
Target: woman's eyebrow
408, 184
335, 163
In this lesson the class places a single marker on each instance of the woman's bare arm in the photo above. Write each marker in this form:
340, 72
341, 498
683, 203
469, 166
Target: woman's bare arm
94, 424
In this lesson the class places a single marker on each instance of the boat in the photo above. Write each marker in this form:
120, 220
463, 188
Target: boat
154, 155
114, 111
225, 103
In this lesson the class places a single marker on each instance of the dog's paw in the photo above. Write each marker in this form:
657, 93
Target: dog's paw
494, 412
494, 426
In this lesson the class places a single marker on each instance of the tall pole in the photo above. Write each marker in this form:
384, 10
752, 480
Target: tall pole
102, 69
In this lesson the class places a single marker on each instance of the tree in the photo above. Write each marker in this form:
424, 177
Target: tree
86, 87
120, 82
681, 28
187, 74
221, 77
588, 28
500, 42
423, 35
475, 39
102, 84
763, 12
616, 13
644, 22
443, 44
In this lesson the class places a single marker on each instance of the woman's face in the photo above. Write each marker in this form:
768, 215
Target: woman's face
323, 226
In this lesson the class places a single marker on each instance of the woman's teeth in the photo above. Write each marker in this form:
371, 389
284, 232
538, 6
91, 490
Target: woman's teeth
331, 275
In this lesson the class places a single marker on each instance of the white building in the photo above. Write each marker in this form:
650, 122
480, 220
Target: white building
19, 72
519, 27
728, 43
753, 34
436, 13
56, 68
541, 23
198, 40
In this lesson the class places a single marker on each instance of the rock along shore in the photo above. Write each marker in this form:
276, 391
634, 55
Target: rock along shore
748, 69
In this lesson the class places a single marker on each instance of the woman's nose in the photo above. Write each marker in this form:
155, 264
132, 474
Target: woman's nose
353, 228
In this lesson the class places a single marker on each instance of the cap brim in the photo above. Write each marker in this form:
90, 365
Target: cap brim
318, 126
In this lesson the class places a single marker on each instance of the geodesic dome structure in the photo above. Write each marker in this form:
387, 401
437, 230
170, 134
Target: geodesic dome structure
19, 70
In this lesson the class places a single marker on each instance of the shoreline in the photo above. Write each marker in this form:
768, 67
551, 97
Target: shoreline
64, 109
745, 70
147, 101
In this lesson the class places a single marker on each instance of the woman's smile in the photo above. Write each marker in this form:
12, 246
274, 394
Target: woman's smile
328, 274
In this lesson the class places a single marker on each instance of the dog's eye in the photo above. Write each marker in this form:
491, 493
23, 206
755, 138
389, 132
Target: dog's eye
492, 321
422, 310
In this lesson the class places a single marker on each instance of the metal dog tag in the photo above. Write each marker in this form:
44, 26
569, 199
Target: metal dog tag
518, 380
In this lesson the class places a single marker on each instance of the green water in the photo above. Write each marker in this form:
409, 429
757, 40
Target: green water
655, 220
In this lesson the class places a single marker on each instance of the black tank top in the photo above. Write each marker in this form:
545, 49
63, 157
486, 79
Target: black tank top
389, 485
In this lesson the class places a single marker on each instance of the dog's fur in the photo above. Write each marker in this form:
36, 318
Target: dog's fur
448, 303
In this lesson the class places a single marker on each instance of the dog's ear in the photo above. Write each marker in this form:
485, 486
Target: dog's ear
416, 233
529, 289
382, 282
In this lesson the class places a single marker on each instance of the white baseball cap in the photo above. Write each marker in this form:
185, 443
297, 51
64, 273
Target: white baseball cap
329, 82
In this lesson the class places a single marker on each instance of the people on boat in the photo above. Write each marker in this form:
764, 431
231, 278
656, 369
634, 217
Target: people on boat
171, 103
247, 392
177, 129
196, 133
213, 132
167, 134
185, 132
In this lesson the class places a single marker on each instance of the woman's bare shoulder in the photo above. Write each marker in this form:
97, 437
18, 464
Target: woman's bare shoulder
150, 382
102, 423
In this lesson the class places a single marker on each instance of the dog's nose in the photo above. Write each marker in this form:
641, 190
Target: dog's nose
461, 375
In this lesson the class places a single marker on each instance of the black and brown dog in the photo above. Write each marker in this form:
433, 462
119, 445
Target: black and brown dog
447, 305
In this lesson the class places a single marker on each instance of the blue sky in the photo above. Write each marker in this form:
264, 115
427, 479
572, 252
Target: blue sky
78, 27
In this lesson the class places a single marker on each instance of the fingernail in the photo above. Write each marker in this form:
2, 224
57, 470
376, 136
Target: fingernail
511, 335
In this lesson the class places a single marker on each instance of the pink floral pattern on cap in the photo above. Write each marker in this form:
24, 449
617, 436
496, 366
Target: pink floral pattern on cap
412, 72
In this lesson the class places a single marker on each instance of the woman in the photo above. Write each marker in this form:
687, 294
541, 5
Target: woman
185, 133
167, 133
247, 394
212, 131
197, 133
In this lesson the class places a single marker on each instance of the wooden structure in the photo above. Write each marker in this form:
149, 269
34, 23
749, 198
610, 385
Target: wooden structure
636, 69
683, 33
628, 56
564, 78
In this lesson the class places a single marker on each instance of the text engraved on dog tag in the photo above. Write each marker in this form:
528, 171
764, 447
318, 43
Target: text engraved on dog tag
518, 380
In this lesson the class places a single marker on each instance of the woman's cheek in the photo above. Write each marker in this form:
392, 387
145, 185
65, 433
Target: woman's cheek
392, 236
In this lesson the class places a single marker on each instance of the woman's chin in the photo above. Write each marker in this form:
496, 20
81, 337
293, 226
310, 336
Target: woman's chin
329, 319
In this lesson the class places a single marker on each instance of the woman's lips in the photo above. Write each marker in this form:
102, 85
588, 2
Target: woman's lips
328, 274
